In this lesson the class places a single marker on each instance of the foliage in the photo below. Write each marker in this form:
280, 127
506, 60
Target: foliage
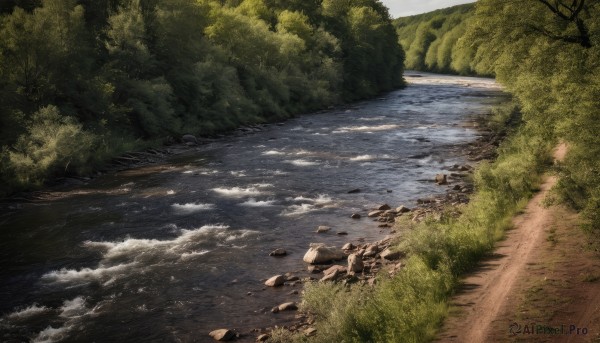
430, 40
153, 69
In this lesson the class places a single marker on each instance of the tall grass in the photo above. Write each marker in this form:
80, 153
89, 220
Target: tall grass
410, 306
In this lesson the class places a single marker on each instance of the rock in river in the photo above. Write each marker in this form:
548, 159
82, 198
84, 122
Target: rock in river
278, 252
319, 253
275, 281
222, 335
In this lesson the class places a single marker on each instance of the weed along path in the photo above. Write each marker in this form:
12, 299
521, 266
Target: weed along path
538, 286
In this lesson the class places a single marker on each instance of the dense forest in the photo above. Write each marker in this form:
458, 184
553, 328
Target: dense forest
545, 54
83, 80
430, 40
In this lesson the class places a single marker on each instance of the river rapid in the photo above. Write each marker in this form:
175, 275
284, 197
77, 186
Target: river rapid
172, 251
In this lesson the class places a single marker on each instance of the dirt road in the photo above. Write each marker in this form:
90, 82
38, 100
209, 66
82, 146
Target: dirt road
538, 284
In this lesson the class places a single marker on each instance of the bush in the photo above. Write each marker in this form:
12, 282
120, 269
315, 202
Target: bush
52, 143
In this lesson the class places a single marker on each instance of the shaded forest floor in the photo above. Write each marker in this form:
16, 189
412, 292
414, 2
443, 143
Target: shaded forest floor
542, 284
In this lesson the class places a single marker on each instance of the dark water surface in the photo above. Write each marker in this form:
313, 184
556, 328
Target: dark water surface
170, 252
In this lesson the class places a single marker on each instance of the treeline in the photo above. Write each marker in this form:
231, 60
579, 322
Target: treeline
430, 40
546, 54
82, 80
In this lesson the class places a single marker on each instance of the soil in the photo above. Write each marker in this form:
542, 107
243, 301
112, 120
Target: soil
542, 284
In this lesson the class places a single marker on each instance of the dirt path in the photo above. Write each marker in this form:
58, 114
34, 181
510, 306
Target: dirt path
530, 282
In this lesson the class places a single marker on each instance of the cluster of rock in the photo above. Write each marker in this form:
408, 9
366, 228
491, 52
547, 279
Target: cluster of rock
386, 215
362, 261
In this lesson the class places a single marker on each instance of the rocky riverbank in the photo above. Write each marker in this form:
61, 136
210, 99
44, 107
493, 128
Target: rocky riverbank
362, 262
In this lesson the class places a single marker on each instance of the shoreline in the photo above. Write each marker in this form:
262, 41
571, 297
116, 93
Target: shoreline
379, 257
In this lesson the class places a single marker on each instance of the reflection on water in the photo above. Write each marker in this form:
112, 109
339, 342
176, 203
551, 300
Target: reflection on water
173, 251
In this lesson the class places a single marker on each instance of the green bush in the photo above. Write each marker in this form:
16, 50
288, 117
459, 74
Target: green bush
53, 143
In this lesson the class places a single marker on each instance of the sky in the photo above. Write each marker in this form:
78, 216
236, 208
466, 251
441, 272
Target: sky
403, 8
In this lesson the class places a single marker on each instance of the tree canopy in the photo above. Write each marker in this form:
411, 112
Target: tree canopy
117, 71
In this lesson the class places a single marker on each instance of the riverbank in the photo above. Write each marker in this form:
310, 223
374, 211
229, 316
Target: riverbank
371, 263
411, 305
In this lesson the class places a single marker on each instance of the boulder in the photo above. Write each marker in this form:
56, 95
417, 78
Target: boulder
441, 179
189, 139
278, 252
275, 281
371, 251
319, 253
323, 229
334, 268
222, 335
402, 209
331, 276
263, 338
289, 306
388, 254
348, 246
375, 213
355, 263
383, 207
355, 216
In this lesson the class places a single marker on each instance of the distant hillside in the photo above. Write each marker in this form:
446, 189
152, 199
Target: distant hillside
430, 40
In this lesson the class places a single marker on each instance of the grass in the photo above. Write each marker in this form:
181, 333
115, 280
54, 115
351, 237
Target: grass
411, 306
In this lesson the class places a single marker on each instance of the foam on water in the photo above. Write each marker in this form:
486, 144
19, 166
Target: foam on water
238, 173
133, 256
363, 158
366, 128
193, 254
296, 210
51, 335
302, 163
71, 312
73, 308
192, 207
254, 203
273, 153
307, 205
237, 192
87, 274
30, 311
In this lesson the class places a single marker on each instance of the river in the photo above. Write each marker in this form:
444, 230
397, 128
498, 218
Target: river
171, 251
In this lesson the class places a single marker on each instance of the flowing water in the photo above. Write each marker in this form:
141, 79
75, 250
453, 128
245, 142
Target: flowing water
172, 251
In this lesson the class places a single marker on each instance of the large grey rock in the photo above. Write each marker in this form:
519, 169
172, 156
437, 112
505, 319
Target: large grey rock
278, 252
290, 306
323, 229
319, 253
275, 281
441, 179
355, 264
222, 335
334, 268
383, 207
402, 209
375, 213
